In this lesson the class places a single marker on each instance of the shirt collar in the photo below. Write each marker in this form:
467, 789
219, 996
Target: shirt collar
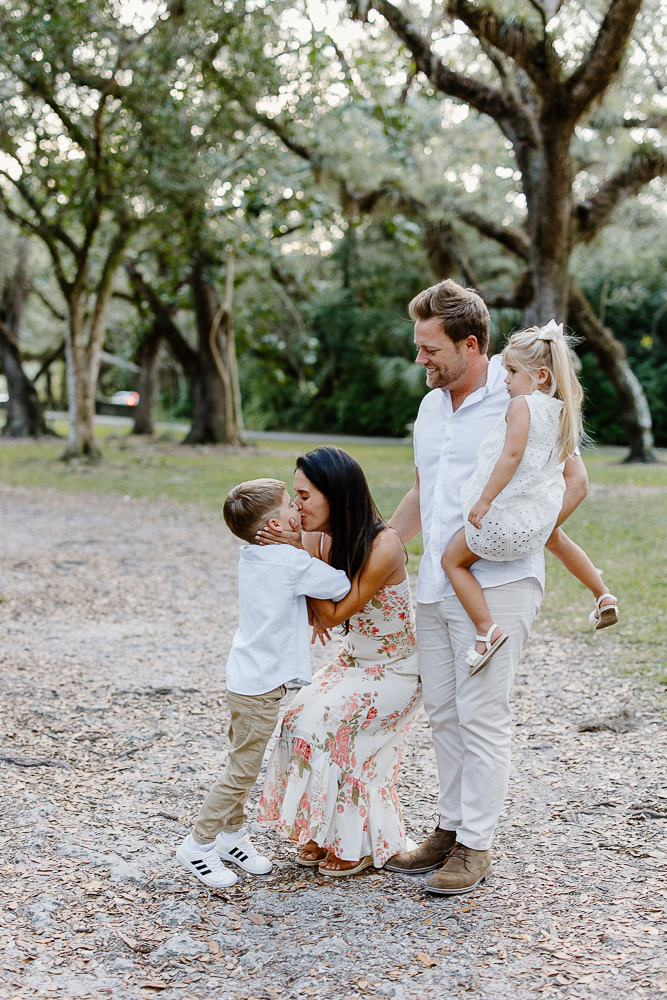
495, 375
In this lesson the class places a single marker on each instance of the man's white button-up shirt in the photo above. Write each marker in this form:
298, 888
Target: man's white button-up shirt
446, 443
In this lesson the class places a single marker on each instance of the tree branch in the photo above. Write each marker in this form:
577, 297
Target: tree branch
519, 298
513, 38
56, 231
304, 152
184, 354
447, 254
603, 61
43, 232
512, 239
594, 213
49, 305
52, 356
39, 88
653, 119
513, 121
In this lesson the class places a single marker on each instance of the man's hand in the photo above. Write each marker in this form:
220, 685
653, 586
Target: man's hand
576, 487
477, 512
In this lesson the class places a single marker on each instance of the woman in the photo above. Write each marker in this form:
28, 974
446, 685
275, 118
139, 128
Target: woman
330, 779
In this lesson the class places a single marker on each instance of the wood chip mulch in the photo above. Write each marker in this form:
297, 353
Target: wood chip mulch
115, 619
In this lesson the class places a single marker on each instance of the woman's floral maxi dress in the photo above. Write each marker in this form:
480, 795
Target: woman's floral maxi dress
332, 773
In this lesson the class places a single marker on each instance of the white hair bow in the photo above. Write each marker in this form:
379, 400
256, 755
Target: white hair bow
552, 331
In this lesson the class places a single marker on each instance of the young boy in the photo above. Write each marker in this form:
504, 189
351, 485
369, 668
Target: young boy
269, 650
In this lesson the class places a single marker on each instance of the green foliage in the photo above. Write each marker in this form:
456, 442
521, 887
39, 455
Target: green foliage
355, 371
623, 275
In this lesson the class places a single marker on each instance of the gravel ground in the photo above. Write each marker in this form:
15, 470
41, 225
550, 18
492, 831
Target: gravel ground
116, 617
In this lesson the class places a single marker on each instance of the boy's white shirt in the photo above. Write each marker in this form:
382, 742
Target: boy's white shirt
272, 644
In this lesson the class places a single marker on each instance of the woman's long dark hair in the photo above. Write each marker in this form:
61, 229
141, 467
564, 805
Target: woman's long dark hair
355, 520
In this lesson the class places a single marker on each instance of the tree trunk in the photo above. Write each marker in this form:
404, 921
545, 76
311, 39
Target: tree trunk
232, 362
24, 411
83, 357
613, 362
147, 359
547, 186
80, 400
213, 419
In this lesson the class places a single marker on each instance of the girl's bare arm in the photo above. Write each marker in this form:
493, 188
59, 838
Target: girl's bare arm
518, 423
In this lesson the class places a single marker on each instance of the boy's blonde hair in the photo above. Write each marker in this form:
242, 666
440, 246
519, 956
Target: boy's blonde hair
548, 347
250, 505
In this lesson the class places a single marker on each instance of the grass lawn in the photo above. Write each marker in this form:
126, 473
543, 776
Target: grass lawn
622, 525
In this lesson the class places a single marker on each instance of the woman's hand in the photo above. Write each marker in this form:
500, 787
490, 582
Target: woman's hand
477, 512
320, 631
268, 535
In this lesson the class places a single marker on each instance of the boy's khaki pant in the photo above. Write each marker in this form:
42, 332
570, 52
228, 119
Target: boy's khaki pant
254, 717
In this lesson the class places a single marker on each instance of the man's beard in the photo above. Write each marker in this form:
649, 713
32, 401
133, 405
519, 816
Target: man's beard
446, 376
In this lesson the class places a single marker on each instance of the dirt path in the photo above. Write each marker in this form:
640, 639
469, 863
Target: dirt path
115, 622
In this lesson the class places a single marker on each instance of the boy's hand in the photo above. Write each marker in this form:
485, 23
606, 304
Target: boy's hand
477, 512
268, 535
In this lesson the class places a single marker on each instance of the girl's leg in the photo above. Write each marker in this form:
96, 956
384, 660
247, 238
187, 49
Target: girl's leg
456, 562
575, 560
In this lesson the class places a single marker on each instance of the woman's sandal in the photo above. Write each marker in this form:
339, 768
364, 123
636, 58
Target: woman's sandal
477, 660
606, 616
306, 862
366, 862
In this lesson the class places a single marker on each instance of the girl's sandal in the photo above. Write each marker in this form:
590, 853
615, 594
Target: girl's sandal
606, 616
366, 862
477, 660
306, 862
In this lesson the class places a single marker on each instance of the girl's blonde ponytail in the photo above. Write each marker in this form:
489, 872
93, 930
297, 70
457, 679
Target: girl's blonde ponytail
568, 388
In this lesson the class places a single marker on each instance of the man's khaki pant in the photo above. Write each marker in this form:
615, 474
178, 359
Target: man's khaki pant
254, 717
471, 716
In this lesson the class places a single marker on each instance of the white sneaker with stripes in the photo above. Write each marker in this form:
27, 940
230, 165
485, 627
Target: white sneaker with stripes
205, 863
239, 848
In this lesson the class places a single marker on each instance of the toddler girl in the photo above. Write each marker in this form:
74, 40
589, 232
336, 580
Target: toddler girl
513, 499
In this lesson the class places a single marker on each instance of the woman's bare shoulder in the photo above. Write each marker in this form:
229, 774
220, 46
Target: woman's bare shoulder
387, 545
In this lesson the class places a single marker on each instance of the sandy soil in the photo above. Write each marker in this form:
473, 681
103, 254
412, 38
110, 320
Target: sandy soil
115, 620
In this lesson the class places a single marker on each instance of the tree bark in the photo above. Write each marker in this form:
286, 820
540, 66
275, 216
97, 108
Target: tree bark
613, 362
24, 412
213, 414
83, 343
547, 185
147, 359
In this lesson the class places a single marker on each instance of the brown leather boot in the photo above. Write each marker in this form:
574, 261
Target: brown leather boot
463, 871
427, 857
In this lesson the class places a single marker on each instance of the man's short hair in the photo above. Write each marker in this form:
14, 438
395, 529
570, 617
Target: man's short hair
461, 311
250, 505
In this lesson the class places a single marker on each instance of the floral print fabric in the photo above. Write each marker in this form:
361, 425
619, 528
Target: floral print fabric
332, 773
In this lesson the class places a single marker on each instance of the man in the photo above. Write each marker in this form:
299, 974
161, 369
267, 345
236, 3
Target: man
470, 716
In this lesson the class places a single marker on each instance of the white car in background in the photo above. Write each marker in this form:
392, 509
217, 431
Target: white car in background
124, 398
